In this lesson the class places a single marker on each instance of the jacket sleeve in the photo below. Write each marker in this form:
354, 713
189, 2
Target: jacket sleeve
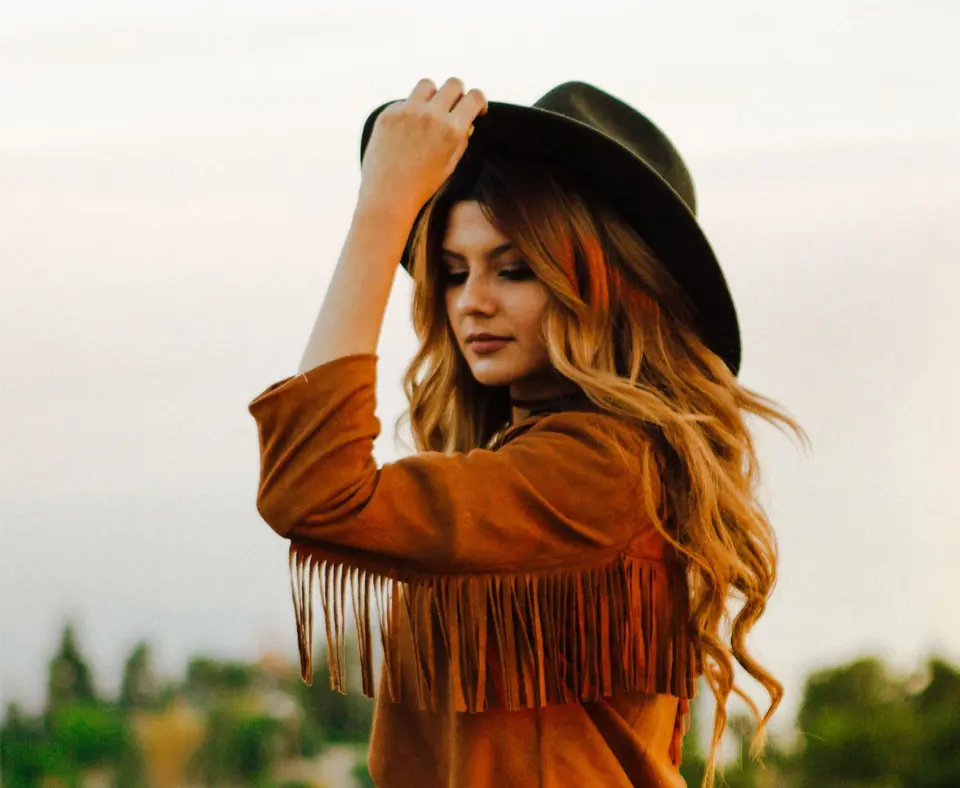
567, 485
537, 557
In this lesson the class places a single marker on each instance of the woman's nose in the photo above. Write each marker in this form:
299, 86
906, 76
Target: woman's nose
476, 296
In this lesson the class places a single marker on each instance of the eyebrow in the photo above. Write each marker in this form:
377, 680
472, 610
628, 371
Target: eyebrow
495, 252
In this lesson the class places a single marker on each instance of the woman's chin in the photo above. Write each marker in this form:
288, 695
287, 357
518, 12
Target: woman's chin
493, 373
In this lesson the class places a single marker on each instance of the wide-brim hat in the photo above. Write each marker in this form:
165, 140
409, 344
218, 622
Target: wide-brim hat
607, 143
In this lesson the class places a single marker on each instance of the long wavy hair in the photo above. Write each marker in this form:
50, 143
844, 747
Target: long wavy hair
619, 327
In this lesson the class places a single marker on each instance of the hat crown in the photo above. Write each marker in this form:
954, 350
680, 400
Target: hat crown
608, 115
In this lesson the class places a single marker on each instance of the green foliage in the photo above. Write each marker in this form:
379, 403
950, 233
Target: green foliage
68, 676
362, 775
24, 751
330, 715
741, 771
88, 734
138, 689
859, 726
71, 738
207, 676
934, 758
863, 726
693, 761
77, 731
238, 746
312, 739
335, 717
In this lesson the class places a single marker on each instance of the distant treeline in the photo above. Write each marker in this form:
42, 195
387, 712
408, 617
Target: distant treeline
231, 723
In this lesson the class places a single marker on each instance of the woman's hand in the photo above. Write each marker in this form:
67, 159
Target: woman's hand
416, 144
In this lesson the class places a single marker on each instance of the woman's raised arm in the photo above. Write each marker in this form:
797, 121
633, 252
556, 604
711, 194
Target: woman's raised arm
415, 146
352, 313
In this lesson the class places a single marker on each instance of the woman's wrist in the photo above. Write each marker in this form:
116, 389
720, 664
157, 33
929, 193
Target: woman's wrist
390, 209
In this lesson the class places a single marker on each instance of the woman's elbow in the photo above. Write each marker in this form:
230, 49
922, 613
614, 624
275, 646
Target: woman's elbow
277, 514
303, 510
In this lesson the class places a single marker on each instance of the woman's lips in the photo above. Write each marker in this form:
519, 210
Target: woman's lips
483, 347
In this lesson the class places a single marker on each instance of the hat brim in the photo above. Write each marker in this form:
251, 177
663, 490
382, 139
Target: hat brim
642, 197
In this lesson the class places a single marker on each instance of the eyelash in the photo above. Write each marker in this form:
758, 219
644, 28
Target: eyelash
517, 274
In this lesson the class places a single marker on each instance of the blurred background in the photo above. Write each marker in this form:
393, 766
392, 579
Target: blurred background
176, 181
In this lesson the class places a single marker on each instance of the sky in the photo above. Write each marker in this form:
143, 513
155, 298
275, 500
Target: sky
176, 181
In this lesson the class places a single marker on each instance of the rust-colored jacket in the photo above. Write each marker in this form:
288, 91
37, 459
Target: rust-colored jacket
533, 621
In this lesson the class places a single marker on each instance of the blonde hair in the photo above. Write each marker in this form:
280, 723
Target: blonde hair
620, 328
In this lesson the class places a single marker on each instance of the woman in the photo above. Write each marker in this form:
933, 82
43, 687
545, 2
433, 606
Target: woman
551, 568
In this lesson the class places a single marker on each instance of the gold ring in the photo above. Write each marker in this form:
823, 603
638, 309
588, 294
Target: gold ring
469, 133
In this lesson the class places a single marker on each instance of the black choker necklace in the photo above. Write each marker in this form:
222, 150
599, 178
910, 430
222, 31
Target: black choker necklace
548, 403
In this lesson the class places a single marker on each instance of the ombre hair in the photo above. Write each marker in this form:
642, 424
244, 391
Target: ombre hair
619, 327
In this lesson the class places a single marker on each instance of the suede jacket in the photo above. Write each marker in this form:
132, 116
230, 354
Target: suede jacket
533, 622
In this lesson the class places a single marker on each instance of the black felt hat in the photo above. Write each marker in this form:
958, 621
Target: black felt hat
606, 142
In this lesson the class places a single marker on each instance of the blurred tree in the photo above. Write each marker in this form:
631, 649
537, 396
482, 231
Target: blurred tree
24, 753
88, 734
857, 726
206, 676
80, 731
331, 716
361, 774
934, 760
740, 771
240, 745
68, 676
138, 688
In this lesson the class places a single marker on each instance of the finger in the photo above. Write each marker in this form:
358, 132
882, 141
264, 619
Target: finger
471, 106
423, 91
449, 94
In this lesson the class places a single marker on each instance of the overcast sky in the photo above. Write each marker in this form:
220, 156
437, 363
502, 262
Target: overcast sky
175, 184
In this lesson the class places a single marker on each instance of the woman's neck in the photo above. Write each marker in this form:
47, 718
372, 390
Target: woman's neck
570, 399
544, 391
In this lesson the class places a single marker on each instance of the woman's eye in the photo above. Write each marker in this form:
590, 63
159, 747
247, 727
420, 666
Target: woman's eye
518, 273
454, 277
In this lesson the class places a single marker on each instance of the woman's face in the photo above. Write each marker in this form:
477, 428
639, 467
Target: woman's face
491, 290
